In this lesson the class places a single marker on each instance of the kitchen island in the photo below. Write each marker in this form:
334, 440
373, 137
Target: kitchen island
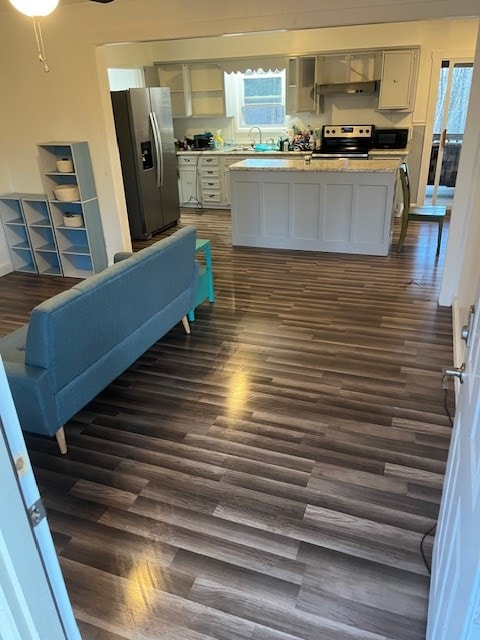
342, 206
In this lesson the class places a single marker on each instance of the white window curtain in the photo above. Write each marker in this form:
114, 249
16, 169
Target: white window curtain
242, 65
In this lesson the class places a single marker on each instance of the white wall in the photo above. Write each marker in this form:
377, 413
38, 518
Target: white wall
72, 101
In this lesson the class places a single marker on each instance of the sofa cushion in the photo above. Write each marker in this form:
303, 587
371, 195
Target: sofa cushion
69, 333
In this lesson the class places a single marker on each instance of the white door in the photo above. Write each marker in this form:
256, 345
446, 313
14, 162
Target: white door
454, 606
34, 603
27, 607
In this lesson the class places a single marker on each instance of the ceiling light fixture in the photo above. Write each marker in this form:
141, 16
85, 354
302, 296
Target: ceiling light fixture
37, 9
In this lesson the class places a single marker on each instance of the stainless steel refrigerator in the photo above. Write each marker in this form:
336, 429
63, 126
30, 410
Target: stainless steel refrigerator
144, 127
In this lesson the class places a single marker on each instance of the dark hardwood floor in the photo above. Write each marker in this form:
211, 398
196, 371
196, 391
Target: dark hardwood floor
270, 476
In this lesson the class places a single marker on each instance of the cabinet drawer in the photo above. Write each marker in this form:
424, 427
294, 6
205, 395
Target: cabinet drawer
209, 172
209, 161
211, 196
187, 160
210, 183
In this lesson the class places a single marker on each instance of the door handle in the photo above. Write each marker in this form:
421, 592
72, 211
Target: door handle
443, 138
158, 148
454, 372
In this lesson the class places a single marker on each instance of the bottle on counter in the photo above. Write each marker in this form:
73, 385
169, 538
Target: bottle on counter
218, 140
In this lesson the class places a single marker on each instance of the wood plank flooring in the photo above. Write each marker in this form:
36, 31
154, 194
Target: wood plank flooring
270, 476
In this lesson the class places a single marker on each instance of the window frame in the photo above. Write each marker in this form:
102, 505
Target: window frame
235, 84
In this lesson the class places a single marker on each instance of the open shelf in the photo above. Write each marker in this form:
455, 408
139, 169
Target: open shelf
84, 243
37, 238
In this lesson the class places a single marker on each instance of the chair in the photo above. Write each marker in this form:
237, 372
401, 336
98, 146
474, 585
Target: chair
430, 213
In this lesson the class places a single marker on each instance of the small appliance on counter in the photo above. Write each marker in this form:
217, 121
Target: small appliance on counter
393, 138
202, 141
345, 141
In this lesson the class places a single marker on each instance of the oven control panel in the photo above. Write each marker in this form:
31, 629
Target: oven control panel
348, 131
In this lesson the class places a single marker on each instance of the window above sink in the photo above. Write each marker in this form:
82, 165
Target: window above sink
256, 98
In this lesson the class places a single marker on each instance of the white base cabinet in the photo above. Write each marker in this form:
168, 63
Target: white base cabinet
204, 177
313, 211
188, 183
211, 180
400, 155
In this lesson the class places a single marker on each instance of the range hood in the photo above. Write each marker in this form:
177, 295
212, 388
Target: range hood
353, 88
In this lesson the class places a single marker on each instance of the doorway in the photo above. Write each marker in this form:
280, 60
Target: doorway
450, 115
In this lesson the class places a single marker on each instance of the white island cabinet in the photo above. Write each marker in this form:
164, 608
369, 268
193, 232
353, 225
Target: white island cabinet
342, 206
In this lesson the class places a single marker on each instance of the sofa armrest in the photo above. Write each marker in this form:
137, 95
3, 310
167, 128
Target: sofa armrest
122, 255
33, 397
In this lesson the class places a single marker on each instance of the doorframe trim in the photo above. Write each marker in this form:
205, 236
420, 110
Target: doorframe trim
458, 344
459, 55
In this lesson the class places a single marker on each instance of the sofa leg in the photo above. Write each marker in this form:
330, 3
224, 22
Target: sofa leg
62, 443
186, 326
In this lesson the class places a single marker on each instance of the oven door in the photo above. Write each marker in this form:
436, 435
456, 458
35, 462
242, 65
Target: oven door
338, 156
344, 146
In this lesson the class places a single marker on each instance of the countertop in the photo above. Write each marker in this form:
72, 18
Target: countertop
388, 152
236, 151
316, 165
240, 152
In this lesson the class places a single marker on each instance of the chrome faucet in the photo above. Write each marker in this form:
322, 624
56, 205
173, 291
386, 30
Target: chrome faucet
259, 133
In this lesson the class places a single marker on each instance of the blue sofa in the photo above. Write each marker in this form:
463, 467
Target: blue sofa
79, 341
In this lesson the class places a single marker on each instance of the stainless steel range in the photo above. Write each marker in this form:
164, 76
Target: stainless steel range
345, 141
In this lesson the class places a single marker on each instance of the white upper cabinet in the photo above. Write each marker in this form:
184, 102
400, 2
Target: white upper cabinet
301, 80
347, 67
196, 88
398, 80
177, 78
207, 89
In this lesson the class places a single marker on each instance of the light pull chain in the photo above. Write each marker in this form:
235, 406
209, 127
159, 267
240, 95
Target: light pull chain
42, 56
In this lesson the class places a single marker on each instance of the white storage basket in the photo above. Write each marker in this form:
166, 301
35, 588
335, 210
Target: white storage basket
66, 193
73, 219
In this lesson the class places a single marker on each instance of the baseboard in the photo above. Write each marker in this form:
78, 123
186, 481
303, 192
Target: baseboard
5, 268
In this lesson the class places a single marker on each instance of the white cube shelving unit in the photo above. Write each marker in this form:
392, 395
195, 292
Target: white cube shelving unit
81, 249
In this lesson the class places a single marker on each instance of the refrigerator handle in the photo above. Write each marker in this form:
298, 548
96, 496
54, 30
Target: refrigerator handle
158, 148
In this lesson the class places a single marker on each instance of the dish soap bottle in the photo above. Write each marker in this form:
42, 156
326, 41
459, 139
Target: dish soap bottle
218, 140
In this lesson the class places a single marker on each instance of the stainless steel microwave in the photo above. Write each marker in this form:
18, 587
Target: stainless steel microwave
395, 138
